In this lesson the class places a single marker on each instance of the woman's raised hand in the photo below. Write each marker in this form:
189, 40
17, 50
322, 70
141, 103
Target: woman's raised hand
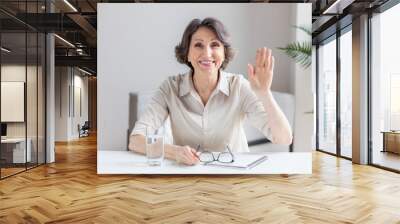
261, 74
186, 155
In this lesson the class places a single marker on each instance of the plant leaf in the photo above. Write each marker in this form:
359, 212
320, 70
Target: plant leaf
300, 52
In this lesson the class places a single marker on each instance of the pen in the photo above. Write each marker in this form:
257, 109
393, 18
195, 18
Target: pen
197, 150
258, 161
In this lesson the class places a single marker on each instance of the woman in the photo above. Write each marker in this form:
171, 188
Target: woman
207, 106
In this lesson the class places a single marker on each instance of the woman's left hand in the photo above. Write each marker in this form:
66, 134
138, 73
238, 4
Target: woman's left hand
260, 75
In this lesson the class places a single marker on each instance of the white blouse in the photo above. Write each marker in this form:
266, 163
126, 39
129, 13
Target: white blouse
213, 126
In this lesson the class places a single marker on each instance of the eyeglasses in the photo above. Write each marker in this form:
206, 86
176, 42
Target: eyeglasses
222, 157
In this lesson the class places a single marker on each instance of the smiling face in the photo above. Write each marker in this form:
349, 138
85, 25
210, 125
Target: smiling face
206, 51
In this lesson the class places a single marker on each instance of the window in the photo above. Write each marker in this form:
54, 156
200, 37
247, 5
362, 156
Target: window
327, 97
346, 94
385, 89
22, 66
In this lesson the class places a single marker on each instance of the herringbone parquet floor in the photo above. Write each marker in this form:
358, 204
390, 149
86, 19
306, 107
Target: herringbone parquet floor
70, 191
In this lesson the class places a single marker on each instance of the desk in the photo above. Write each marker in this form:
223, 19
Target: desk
391, 141
125, 162
17, 150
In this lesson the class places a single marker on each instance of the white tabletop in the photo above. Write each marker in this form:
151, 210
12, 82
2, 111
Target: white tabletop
125, 162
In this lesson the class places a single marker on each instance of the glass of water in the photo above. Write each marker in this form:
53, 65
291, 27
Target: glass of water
154, 149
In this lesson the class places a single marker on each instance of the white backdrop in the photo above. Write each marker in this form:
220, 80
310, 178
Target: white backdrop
136, 50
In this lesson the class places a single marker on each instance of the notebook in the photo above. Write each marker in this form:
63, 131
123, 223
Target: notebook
241, 162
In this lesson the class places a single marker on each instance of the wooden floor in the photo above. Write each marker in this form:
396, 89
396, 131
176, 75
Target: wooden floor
10, 171
70, 191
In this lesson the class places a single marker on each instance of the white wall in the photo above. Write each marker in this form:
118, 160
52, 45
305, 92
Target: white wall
304, 96
61, 103
19, 73
33, 125
136, 51
67, 80
79, 117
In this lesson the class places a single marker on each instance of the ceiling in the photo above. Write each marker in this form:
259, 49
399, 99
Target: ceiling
76, 22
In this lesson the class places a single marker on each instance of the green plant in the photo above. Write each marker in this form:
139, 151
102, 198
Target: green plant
300, 51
